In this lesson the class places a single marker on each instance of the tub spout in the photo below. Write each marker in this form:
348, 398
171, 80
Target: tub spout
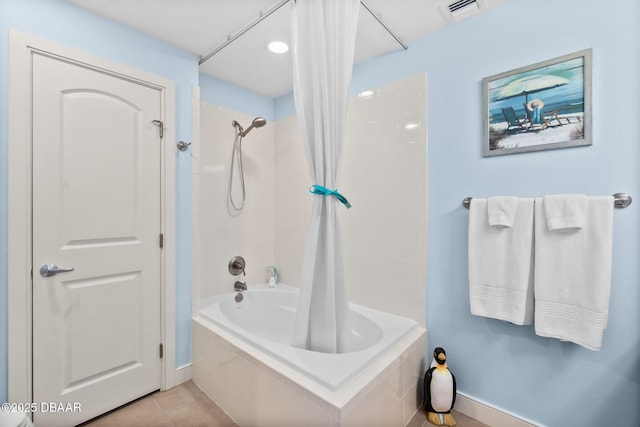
239, 286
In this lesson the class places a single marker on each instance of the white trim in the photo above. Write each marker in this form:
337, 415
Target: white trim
19, 222
195, 199
21, 46
168, 204
488, 414
183, 374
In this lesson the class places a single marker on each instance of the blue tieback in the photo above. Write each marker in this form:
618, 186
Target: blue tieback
319, 189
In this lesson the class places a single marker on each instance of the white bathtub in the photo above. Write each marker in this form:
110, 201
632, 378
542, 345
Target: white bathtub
247, 344
266, 317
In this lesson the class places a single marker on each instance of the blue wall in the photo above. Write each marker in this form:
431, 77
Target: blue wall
61, 22
227, 95
507, 366
544, 380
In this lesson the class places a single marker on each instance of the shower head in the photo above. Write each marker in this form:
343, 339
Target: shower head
256, 123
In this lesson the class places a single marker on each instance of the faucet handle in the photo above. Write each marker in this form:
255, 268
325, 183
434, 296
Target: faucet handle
237, 266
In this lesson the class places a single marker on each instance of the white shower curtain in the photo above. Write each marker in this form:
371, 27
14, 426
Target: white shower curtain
323, 35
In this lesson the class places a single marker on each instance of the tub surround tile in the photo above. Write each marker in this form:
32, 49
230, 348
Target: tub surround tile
385, 227
412, 400
277, 399
187, 405
269, 392
258, 394
395, 417
249, 233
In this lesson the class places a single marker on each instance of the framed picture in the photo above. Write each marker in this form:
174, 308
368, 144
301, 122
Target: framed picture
539, 107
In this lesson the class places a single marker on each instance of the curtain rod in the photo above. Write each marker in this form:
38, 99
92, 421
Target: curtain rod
404, 46
268, 13
252, 24
620, 200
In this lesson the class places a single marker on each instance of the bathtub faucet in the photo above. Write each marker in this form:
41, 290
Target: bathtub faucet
273, 280
239, 286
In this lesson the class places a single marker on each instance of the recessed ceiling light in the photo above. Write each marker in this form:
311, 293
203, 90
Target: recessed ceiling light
278, 47
410, 126
365, 94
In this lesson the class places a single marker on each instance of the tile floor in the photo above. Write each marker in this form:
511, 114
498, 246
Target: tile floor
182, 406
420, 420
187, 406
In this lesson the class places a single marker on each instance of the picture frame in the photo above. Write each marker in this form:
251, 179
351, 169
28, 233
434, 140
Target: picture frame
542, 106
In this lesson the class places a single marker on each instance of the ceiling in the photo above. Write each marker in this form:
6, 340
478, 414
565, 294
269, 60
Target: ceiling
200, 26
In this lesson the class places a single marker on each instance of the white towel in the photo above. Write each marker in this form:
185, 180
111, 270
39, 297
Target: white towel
573, 275
565, 211
500, 264
501, 210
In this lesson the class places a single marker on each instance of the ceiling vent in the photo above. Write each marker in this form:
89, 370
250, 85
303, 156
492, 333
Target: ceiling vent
462, 9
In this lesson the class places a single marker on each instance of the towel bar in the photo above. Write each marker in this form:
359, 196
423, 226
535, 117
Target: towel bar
620, 200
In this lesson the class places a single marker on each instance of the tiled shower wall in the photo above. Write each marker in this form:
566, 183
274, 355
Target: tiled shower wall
218, 233
384, 176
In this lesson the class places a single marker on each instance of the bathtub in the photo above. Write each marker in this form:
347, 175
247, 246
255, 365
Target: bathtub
248, 344
266, 317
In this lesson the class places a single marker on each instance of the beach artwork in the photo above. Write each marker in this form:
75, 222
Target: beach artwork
539, 107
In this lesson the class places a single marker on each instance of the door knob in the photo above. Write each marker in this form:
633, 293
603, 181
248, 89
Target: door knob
48, 270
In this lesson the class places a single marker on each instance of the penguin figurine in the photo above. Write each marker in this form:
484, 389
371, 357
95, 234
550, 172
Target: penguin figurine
439, 390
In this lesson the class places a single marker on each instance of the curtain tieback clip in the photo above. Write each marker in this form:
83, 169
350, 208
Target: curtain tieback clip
319, 189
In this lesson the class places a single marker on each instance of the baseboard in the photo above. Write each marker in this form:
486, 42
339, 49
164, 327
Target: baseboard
183, 374
487, 414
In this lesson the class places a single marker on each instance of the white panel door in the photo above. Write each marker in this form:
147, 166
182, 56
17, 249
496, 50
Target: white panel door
96, 209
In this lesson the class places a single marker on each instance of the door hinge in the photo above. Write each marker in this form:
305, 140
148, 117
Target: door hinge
161, 351
160, 124
161, 241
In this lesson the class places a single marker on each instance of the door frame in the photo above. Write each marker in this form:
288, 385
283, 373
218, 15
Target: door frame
20, 299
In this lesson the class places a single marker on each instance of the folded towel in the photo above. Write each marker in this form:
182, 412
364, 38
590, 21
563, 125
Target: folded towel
501, 210
565, 212
573, 275
500, 264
